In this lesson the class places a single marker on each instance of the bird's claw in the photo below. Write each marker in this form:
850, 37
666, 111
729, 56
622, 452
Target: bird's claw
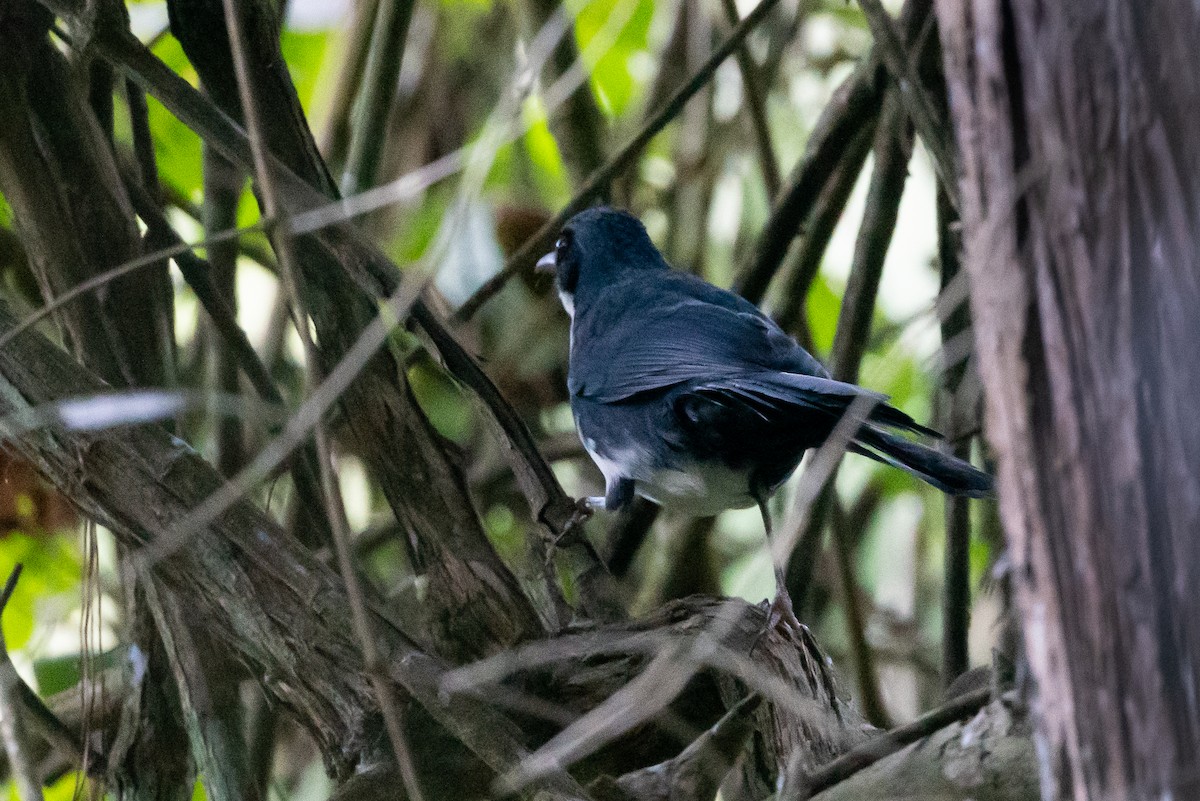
782, 618
581, 514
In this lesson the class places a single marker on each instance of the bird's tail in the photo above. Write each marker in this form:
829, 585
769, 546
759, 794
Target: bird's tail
938, 469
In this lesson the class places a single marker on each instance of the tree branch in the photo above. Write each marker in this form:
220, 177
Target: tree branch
251, 586
854, 105
756, 105
884, 745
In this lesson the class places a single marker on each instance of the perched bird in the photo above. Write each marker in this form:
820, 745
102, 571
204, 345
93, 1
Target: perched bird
688, 395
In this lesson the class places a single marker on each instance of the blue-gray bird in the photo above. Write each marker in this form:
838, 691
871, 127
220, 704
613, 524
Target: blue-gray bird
688, 395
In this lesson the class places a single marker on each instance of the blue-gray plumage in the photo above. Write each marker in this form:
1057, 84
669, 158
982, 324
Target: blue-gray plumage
688, 395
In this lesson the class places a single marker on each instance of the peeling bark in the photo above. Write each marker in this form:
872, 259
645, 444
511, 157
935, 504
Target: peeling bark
1080, 152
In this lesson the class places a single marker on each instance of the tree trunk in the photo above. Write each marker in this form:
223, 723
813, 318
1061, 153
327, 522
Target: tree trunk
1081, 194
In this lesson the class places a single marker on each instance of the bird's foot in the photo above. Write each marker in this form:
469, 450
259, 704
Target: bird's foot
780, 615
584, 508
782, 618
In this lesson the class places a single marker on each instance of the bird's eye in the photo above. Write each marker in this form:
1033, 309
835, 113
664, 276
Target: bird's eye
568, 270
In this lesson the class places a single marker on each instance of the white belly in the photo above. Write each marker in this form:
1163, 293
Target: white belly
702, 489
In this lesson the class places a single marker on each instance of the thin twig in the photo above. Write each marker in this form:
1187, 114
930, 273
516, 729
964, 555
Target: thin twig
335, 508
956, 593
9, 587
335, 140
887, 744
143, 141
870, 701
802, 266
902, 63
372, 110
197, 274
222, 186
756, 105
821, 466
600, 179
627, 533
893, 148
807, 553
853, 106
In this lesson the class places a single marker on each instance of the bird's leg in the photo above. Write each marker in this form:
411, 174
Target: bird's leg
616, 494
583, 509
781, 611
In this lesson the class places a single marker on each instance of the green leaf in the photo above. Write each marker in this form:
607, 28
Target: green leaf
610, 33
177, 150
57, 673
822, 307
51, 567
549, 172
63, 789
444, 403
304, 51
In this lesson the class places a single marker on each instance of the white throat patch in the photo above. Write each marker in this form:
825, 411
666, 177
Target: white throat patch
568, 302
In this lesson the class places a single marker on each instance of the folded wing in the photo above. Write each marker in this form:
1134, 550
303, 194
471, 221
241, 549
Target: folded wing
696, 332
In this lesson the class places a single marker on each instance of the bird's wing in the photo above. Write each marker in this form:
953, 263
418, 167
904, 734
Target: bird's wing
780, 407
624, 346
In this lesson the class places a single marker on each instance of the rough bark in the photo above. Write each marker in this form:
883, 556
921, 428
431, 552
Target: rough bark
1077, 128
469, 586
988, 758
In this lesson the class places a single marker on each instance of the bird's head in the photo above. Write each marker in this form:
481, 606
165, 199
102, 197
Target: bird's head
596, 248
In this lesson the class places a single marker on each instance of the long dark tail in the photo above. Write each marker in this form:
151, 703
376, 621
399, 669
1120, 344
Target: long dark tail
938, 469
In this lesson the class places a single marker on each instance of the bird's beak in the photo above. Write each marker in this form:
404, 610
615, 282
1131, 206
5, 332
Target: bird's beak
546, 264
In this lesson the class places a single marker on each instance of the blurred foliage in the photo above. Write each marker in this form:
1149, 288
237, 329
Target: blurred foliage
51, 576
611, 75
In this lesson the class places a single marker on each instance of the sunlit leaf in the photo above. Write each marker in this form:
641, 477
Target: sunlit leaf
52, 568
549, 172
303, 51
822, 307
177, 150
610, 33
63, 789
